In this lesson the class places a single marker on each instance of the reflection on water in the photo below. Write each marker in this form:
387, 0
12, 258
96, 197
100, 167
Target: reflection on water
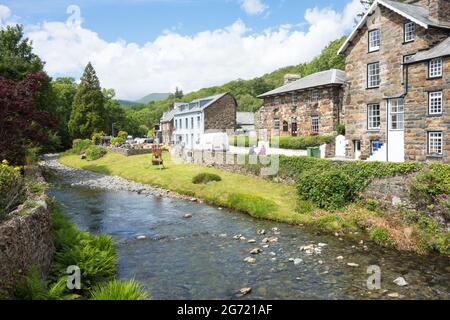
198, 258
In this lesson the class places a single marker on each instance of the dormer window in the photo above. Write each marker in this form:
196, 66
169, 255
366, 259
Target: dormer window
410, 31
374, 40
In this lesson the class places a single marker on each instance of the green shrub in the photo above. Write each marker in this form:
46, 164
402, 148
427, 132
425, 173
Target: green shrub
117, 141
123, 135
252, 204
328, 190
340, 128
334, 223
204, 178
381, 237
300, 143
97, 137
243, 141
95, 153
120, 290
12, 188
80, 146
34, 287
94, 255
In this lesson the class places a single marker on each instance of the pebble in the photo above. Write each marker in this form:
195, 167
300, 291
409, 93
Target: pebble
252, 241
322, 245
261, 232
297, 261
243, 292
188, 216
351, 264
256, 251
141, 237
401, 282
394, 295
250, 260
340, 258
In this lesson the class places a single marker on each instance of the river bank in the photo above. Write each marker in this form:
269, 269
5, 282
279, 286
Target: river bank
264, 199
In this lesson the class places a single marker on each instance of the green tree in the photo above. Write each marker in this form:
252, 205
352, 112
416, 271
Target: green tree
88, 111
17, 59
65, 90
178, 94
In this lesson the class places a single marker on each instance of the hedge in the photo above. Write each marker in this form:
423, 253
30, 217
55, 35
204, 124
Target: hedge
293, 143
95, 153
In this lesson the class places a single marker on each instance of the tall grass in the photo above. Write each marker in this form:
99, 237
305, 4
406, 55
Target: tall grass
120, 290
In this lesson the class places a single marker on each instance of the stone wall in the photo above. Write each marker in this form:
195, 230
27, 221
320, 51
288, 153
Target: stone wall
328, 108
167, 132
390, 56
221, 115
129, 152
418, 121
26, 240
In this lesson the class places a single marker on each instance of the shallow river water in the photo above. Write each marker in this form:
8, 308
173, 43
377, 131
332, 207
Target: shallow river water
198, 258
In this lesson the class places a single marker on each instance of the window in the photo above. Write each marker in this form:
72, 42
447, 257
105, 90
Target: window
435, 68
276, 124
192, 123
294, 99
396, 114
187, 123
198, 122
315, 95
181, 124
435, 143
276, 101
315, 125
373, 117
434, 103
373, 75
410, 30
285, 126
374, 40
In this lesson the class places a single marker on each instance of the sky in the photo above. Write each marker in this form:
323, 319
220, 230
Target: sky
143, 46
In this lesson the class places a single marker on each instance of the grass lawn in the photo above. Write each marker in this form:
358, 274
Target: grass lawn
258, 197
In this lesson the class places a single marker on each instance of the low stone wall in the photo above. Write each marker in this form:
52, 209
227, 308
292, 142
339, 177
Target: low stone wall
390, 192
129, 152
26, 240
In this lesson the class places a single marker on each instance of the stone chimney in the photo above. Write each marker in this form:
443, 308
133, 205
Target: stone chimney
288, 78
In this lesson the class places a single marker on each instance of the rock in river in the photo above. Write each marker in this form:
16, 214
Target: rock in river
243, 292
351, 264
250, 260
187, 216
256, 251
297, 261
141, 237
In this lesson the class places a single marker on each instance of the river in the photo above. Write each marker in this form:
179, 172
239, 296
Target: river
199, 257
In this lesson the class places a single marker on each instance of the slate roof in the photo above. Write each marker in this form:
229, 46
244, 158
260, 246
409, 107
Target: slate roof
329, 77
245, 118
412, 12
167, 116
197, 105
441, 50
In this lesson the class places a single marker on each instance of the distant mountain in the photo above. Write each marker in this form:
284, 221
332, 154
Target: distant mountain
153, 97
129, 103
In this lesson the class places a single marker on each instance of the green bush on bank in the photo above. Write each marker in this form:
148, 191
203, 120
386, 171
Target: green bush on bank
12, 188
95, 153
118, 141
94, 255
255, 205
80, 146
119, 290
205, 178
294, 143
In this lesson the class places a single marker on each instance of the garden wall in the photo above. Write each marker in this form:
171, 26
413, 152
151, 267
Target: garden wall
130, 152
25, 241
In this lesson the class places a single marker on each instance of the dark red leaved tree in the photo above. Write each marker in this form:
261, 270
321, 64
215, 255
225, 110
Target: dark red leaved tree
21, 126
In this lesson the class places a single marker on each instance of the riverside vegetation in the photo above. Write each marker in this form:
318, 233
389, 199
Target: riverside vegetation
327, 195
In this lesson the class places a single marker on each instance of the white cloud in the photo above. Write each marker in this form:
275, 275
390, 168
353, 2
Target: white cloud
6, 17
253, 7
190, 62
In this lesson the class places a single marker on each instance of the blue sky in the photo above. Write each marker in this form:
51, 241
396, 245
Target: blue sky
143, 20
143, 46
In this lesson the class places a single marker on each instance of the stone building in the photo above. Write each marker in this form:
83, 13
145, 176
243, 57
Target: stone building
166, 127
397, 68
206, 115
304, 106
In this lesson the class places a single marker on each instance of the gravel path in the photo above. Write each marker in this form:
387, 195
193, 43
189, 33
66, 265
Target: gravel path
92, 180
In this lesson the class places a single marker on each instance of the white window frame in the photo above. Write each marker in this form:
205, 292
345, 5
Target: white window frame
373, 119
435, 68
198, 122
435, 103
397, 112
374, 40
435, 143
315, 125
409, 32
294, 99
374, 79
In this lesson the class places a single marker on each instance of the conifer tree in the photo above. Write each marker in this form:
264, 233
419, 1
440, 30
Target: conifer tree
88, 111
